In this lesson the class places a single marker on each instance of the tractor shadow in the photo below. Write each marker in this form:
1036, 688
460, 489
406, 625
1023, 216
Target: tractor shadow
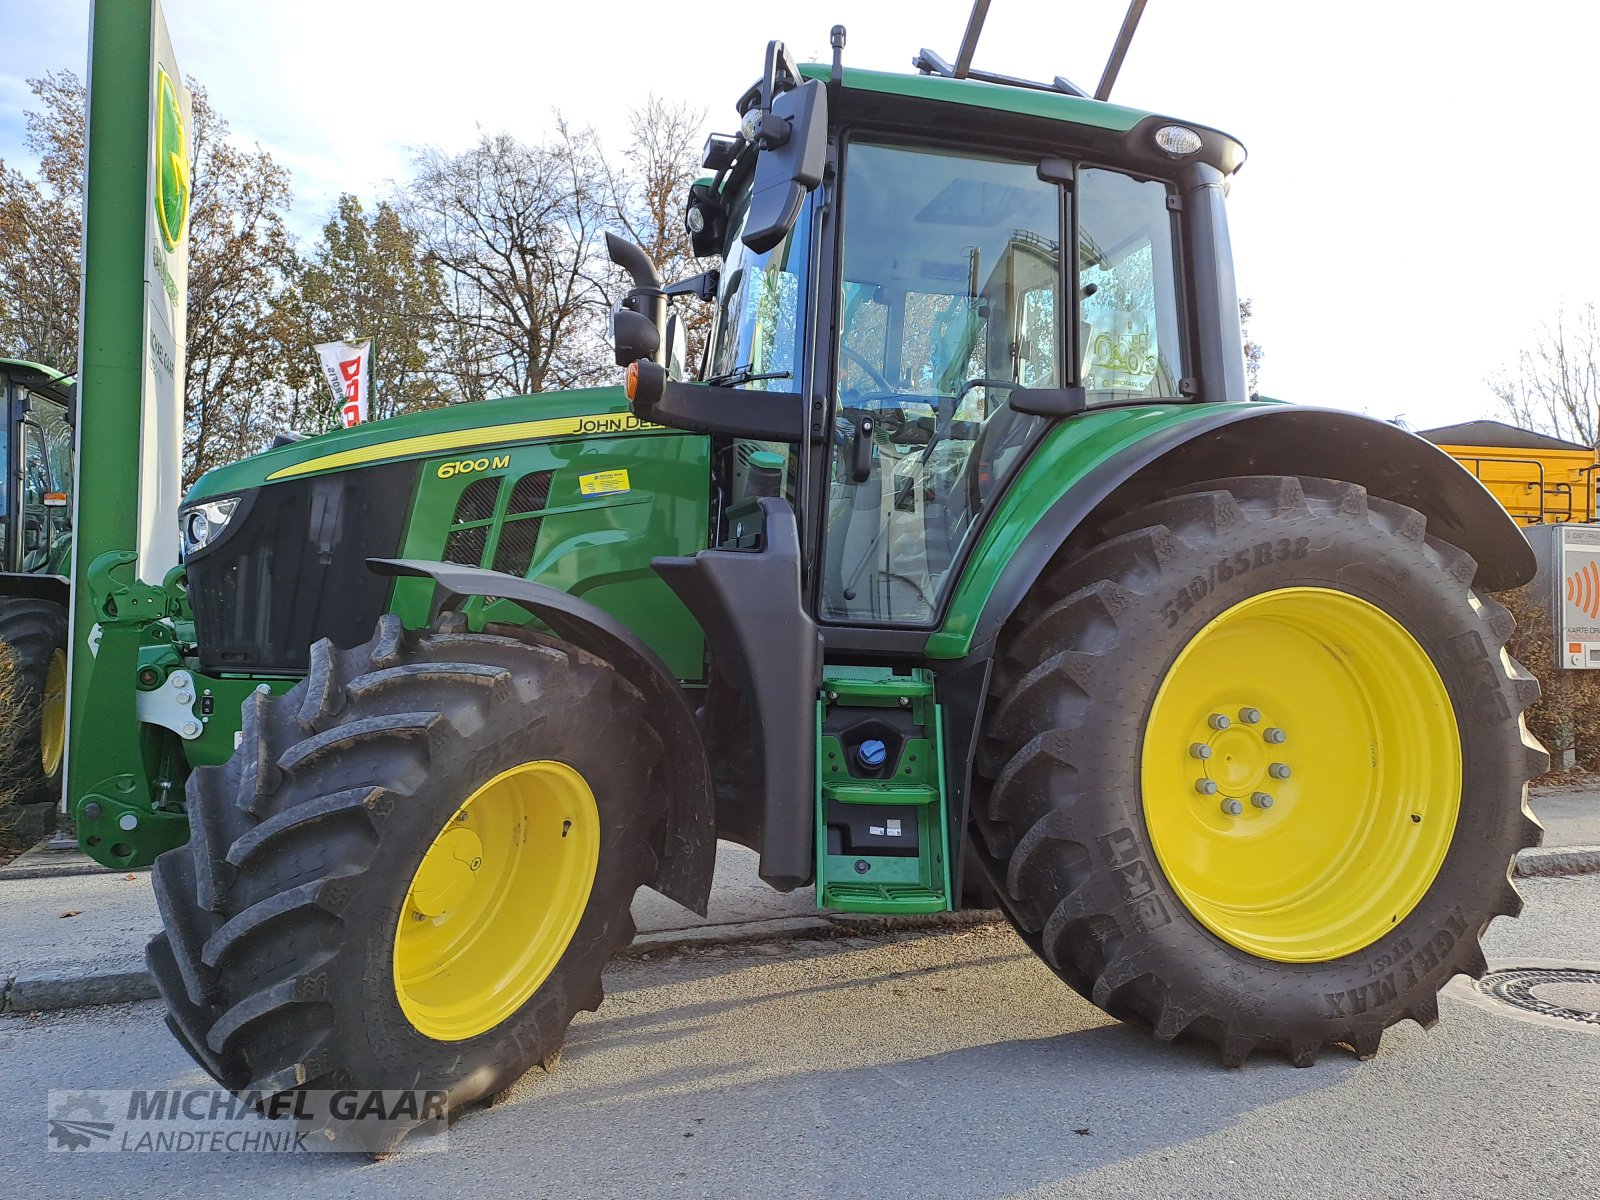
911, 1082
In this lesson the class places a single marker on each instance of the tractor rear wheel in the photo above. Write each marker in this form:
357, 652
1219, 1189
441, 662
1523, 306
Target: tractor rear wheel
412, 872
1255, 768
35, 633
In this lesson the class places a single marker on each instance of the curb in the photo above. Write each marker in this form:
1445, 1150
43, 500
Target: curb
80, 987
42, 991
1558, 860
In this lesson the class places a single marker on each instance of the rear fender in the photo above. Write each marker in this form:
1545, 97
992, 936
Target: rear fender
688, 856
1096, 466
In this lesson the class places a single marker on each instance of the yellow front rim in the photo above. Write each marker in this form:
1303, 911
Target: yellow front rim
53, 715
496, 900
1301, 774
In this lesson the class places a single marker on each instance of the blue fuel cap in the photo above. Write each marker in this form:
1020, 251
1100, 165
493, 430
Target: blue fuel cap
871, 753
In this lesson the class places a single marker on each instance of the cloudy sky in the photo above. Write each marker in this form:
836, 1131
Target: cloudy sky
1420, 194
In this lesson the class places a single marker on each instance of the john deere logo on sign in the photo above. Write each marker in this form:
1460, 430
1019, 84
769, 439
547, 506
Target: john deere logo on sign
172, 163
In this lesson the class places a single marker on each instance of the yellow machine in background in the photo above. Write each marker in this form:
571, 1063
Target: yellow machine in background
1539, 479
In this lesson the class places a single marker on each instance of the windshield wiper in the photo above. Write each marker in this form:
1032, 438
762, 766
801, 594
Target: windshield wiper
740, 376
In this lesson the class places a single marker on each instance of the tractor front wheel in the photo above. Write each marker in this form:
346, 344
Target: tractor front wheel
1255, 768
35, 634
412, 872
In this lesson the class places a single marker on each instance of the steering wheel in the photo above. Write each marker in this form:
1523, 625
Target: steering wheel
877, 375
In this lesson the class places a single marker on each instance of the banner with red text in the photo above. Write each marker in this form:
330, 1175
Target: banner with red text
346, 365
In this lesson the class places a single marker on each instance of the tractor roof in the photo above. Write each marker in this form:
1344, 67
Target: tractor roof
1497, 435
1019, 99
21, 366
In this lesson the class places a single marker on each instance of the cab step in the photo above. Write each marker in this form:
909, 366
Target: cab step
883, 841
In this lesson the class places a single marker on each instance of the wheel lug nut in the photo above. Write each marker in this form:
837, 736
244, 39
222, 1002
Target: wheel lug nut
1232, 807
1279, 770
1200, 750
1218, 721
1275, 736
1249, 715
1261, 799
1205, 787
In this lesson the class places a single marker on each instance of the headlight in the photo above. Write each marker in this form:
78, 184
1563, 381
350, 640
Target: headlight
200, 524
1178, 140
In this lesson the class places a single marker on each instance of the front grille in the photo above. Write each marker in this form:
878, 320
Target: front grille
290, 568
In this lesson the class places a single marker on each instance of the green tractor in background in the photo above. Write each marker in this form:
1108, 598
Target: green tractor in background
35, 561
965, 554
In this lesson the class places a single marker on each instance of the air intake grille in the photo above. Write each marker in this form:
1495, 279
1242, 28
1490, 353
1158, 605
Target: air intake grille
466, 546
519, 538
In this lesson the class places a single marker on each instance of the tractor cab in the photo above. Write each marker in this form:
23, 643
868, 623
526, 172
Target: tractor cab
36, 448
913, 309
36, 454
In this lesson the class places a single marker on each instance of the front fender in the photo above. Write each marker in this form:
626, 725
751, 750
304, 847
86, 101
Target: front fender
1096, 465
689, 854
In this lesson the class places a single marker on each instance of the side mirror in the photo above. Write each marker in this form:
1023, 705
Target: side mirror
637, 325
793, 141
677, 347
635, 336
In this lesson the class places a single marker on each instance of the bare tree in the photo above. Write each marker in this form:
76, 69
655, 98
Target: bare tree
648, 195
242, 333
514, 231
1555, 385
41, 230
241, 261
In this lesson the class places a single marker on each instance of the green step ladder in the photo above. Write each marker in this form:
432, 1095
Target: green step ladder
883, 834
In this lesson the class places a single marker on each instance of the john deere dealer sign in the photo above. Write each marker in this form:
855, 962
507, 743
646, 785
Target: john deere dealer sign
130, 360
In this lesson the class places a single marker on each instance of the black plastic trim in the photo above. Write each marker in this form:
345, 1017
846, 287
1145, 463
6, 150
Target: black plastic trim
766, 670
24, 586
686, 867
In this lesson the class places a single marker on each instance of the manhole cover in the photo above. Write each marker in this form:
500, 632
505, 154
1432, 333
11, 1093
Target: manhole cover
1571, 993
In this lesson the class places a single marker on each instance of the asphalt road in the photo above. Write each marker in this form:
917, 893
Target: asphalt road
929, 1065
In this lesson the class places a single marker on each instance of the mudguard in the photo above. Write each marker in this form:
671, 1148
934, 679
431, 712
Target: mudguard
689, 853
1098, 464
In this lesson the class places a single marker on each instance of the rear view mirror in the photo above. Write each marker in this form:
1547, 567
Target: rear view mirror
794, 141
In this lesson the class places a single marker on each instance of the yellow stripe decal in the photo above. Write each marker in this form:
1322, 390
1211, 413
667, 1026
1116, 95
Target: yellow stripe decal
469, 439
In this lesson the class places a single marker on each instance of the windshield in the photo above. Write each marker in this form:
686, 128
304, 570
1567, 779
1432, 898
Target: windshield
760, 308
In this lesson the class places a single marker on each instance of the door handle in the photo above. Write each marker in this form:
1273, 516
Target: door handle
861, 451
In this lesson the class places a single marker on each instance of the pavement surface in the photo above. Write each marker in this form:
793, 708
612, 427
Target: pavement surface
911, 1065
74, 933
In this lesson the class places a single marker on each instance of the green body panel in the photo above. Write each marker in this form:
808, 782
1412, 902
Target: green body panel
1068, 453
598, 546
459, 431
975, 93
891, 883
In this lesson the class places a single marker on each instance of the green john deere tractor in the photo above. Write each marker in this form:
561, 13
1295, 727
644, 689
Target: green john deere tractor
964, 555
35, 552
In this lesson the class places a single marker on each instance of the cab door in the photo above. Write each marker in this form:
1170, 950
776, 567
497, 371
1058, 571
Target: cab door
950, 297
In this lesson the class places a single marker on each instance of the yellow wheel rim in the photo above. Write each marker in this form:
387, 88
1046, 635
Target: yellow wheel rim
495, 900
53, 715
1301, 774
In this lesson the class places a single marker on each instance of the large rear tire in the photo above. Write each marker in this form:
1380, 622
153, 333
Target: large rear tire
414, 869
35, 633
1255, 770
